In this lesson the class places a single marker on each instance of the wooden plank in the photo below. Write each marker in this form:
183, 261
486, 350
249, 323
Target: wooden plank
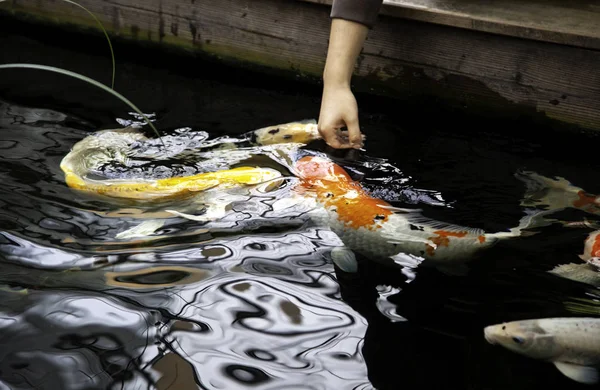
558, 21
468, 69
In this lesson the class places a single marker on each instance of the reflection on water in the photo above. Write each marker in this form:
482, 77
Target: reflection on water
216, 305
250, 299
100, 293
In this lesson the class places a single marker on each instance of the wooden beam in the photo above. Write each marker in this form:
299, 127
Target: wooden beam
469, 69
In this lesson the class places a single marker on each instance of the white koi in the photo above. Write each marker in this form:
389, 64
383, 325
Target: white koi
571, 344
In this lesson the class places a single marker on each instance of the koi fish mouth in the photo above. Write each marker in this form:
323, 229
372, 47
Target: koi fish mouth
488, 333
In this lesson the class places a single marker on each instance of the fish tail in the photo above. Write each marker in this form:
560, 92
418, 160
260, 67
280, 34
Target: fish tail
545, 196
533, 219
551, 194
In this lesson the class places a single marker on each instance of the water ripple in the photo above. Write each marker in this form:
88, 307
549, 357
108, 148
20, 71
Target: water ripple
104, 293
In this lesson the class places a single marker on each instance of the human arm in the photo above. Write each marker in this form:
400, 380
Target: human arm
351, 22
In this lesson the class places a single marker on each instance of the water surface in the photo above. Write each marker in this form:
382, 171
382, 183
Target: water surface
253, 301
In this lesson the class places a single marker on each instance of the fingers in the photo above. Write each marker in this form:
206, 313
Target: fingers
354, 134
331, 136
340, 139
339, 110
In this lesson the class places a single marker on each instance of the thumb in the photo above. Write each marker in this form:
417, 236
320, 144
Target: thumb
354, 134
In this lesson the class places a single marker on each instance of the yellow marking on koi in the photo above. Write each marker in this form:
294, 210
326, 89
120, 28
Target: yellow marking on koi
174, 185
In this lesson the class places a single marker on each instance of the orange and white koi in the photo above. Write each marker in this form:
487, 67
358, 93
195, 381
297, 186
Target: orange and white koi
376, 229
591, 248
557, 194
588, 272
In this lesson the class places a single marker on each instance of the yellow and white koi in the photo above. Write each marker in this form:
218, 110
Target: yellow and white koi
114, 146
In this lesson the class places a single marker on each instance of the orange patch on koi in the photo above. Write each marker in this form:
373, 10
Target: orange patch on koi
481, 239
335, 188
446, 233
443, 238
585, 200
596, 246
430, 250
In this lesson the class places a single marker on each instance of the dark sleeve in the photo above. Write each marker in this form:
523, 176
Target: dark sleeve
360, 11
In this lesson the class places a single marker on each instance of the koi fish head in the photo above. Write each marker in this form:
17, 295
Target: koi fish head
317, 168
335, 189
526, 337
301, 132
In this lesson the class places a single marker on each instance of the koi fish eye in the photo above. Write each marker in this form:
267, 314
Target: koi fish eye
518, 340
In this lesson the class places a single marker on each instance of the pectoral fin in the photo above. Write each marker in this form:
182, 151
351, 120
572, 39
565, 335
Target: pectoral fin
144, 229
212, 213
345, 259
581, 374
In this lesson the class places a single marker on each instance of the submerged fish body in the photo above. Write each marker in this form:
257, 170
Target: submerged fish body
591, 248
571, 344
87, 157
376, 229
578, 272
301, 132
557, 194
588, 272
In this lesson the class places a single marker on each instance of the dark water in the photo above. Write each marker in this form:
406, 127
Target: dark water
254, 301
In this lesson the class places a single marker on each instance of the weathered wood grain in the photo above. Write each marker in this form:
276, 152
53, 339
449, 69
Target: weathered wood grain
469, 69
560, 81
565, 22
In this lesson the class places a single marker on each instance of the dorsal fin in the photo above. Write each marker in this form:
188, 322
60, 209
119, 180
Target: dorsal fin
394, 237
415, 218
418, 220
399, 210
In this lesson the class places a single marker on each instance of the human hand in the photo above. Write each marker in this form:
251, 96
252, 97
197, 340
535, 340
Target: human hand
339, 109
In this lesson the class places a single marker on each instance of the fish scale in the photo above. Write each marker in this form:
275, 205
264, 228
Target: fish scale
579, 337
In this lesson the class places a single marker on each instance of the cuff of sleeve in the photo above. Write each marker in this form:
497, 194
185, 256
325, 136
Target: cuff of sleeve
360, 11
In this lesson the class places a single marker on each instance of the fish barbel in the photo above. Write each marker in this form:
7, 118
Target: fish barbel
115, 146
571, 344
